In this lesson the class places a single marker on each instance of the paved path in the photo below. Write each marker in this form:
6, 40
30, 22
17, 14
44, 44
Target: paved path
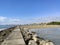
15, 38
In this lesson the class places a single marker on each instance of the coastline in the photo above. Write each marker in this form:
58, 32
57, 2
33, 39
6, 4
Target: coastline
2, 29
41, 26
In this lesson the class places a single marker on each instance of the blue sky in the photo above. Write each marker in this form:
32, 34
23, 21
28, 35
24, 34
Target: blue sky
29, 11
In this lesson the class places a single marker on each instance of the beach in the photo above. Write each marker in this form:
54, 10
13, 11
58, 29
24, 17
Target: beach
41, 26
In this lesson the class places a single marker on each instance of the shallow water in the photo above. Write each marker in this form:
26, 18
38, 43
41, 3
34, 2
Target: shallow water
5, 26
49, 33
2, 27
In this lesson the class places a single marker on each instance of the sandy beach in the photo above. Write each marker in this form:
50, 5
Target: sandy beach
41, 26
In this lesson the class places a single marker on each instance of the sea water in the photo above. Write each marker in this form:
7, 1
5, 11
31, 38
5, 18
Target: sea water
2, 27
52, 34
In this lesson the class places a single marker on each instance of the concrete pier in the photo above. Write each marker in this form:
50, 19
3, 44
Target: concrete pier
15, 38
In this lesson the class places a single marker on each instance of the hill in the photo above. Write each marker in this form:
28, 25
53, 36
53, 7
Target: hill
53, 23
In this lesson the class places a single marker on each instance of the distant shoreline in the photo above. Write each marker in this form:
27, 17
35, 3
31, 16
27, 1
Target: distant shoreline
41, 26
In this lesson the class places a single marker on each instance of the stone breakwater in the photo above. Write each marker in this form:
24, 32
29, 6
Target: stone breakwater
31, 38
4, 34
15, 38
21, 36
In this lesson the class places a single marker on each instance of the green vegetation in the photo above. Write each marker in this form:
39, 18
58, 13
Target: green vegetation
53, 23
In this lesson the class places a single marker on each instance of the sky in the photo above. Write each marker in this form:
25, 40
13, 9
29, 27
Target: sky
29, 11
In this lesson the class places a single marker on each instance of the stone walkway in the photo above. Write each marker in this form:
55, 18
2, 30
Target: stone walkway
15, 38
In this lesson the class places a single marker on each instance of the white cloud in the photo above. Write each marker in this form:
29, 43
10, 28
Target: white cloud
2, 18
14, 21
8, 20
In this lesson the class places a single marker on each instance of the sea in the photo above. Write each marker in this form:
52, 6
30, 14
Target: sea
52, 34
2, 27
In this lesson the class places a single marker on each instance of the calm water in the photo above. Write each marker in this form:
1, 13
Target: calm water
2, 27
49, 33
